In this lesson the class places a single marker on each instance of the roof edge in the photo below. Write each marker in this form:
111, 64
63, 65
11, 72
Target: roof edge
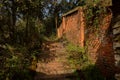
71, 11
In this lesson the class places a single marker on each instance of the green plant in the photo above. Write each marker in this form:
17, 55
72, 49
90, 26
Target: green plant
15, 63
76, 55
89, 72
91, 16
94, 16
92, 72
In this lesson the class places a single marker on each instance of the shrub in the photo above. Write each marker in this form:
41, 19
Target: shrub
15, 63
76, 55
79, 60
91, 72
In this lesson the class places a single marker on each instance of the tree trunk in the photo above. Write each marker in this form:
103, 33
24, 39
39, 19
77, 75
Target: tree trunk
13, 21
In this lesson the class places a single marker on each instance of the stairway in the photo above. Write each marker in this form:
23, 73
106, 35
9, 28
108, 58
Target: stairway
53, 64
116, 45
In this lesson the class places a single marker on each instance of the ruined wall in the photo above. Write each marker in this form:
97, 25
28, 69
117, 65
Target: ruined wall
72, 27
100, 44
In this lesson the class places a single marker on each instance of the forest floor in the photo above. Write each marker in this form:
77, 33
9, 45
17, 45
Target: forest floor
53, 63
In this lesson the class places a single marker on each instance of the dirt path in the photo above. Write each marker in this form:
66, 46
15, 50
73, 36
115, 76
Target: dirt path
53, 64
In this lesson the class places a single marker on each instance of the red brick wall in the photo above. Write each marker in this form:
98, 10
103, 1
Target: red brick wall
73, 27
100, 48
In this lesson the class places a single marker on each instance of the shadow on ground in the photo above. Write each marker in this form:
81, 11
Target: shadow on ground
78, 75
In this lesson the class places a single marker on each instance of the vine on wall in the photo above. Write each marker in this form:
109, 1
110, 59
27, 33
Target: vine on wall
94, 19
94, 16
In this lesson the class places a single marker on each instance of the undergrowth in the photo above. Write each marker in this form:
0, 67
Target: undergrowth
16, 62
78, 59
76, 55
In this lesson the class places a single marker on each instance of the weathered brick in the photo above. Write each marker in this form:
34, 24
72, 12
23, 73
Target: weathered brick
100, 48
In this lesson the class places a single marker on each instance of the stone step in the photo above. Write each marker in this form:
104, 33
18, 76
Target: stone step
53, 68
117, 57
56, 67
116, 31
117, 51
117, 76
117, 25
55, 49
116, 44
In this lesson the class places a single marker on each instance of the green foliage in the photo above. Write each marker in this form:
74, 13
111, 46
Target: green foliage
52, 37
93, 15
99, 2
15, 63
76, 55
73, 48
91, 72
